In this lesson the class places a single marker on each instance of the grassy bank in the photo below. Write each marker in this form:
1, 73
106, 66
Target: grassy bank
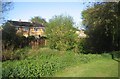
47, 62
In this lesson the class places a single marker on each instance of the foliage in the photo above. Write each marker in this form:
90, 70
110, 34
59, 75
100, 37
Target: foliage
38, 20
44, 62
30, 38
82, 46
5, 7
116, 55
9, 35
60, 33
11, 40
101, 21
18, 54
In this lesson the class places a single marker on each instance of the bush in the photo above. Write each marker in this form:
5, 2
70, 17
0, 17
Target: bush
30, 38
15, 55
116, 54
81, 46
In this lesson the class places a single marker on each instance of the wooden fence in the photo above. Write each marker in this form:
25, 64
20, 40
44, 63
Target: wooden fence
37, 42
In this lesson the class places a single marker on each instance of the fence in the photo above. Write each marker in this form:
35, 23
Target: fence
37, 42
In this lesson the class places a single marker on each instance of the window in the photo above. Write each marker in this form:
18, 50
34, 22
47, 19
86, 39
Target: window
36, 29
17, 28
26, 28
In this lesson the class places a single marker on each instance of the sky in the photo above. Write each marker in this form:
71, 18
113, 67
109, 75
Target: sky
60, 0
26, 10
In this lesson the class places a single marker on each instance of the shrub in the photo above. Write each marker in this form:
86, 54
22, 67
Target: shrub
30, 38
116, 54
15, 55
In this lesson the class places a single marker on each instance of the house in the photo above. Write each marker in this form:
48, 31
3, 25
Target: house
81, 33
28, 29
1, 28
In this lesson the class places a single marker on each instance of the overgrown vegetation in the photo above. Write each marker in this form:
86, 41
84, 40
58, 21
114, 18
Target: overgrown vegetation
16, 54
45, 62
64, 48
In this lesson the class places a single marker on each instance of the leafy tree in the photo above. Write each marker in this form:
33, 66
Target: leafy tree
38, 20
102, 25
8, 35
5, 7
10, 40
61, 34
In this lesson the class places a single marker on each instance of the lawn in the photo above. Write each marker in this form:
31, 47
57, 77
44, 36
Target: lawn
45, 62
98, 68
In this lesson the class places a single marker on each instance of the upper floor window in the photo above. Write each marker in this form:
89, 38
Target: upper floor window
17, 28
26, 28
36, 29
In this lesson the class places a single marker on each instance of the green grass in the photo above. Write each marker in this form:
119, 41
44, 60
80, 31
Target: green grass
45, 62
98, 68
0, 70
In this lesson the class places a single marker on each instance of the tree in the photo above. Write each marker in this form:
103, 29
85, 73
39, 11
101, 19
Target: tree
102, 25
5, 7
10, 40
38, 20
60, 33
8, 35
